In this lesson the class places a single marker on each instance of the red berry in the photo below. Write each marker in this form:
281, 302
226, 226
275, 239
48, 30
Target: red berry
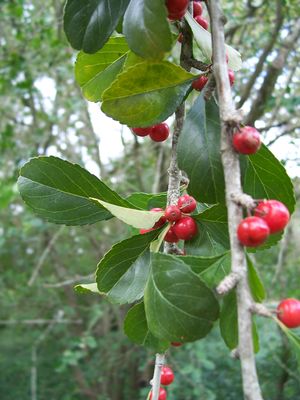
176, 344
288, 312
171, 237
253, 231
162, 394
176, 17
197, 8
247, 140
176, 8
187, 204
274, 213
167, 376
143, 231
172, 213
161, 221
231, 77
202, 21
142, 131
186, 228
160, 132
199, 83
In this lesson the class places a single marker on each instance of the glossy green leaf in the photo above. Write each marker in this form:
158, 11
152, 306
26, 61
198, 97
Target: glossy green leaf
204, 41
136, 328
136, 218
95, 72
147, 93
88, 24
60, 192
199, 152
266, 178
213, 237
228, 320
147, 29
210, 269
148, 200
229, 323
179, 307
255, 283
294, 340
123, 271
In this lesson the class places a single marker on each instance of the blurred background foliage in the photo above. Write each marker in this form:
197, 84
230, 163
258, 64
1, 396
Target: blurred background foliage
56, 344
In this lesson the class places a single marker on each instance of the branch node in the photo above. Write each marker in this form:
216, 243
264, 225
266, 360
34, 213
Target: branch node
244, 200
228, 283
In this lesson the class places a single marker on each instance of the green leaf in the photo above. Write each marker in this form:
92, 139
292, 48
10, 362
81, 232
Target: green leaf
136, 328
266, 178
204, 41
199, 156
60, 192
123, 271
213, 237
212, 270
136, 218
146, 93
87, 288
228, 320
148, 200
179, 307
88, 24
147, 29
95, 72
293, 339
229, 323
156, 244
255, 283
199, 152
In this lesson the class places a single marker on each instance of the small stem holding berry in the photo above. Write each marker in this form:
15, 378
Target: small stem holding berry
261, 310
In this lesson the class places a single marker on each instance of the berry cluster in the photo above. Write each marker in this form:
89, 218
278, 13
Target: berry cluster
288, 312
158, 133
183, 226
166, 378
270, 216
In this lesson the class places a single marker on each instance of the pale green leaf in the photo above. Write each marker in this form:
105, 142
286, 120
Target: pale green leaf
147, 93
136, 218
95, 72
204, 41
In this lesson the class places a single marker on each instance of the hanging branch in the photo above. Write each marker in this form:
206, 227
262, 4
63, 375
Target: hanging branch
230, 118
175, 176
